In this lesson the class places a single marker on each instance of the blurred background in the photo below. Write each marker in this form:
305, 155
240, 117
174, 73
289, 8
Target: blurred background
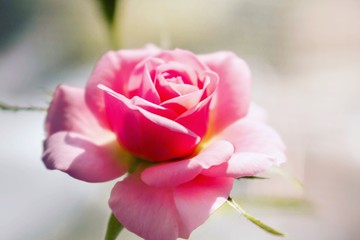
305, 60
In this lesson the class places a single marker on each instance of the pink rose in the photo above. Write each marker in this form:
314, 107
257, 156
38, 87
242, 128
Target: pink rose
177, 122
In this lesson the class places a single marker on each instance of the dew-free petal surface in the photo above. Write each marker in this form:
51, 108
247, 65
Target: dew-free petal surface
145, 134
69, 112
232, 98
113, 70
162, 213
84, 159
172, 174
257, 147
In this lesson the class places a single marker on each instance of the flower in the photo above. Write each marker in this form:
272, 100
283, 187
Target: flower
180, 126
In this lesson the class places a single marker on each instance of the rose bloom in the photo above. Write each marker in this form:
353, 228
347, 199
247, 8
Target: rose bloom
179, 126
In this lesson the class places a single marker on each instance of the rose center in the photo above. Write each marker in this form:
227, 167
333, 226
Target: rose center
172, 84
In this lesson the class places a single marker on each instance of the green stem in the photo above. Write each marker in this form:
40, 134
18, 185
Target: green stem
113, 229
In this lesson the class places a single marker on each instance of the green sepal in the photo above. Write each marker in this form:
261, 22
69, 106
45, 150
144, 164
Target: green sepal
254, 220
114, 228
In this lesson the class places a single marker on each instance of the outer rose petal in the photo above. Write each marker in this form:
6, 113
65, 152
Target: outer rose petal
257, 147
145, 134
241, 165
82, 158
172, 174
68, 112
167, 213
198, 199
232, 98
76, 143
113, 70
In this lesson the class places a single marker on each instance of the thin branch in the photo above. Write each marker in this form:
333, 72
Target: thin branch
14, 108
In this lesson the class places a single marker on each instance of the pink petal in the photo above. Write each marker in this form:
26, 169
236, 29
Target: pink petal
183, 89
198, 199
172, 173
147, 211
188, 101
68, 112
241, 165
174, 79
182, 103
84, 159
232, 99
136, 128
175, 173
113, 70
257, 147
141, 83
187, 58
156, 213
184, 70
154, 108
165, 89
197, 117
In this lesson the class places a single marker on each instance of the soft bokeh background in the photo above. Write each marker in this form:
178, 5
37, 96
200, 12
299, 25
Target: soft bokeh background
305, 59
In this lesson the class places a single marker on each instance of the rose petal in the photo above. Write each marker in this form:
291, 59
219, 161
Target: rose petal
171, 174
83, 158
141, 83
183, 89
198, 199
136, 129
187, 58
241, 165
175, 173
68, 112
156, 213
169, 89
113, 70
182, 103
154, 108
147, 211
257, 137
183, 70
257, 147
174, 79
197, 118
232, 98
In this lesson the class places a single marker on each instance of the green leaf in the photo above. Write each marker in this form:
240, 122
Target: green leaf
108, 7
113, 229
254, 220
7, 107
